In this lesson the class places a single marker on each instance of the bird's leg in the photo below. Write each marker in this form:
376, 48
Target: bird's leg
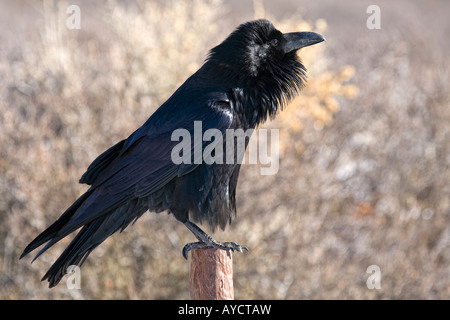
205, 241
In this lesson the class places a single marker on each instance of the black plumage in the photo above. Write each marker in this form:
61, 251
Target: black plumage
245, 80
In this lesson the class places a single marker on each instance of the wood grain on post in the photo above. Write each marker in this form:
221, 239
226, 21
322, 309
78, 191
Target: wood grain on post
211, 276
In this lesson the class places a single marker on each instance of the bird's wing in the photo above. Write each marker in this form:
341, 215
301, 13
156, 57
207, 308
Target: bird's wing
144, 163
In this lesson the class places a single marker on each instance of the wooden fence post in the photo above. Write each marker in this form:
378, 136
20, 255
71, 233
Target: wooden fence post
211, 275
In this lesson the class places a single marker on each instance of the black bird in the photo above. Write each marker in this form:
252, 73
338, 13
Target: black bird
247, 78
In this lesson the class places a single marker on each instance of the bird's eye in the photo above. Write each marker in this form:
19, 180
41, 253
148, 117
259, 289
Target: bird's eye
274, 42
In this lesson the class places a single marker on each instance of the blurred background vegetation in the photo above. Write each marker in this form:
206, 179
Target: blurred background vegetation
364, 151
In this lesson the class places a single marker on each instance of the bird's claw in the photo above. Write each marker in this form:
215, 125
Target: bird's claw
212, 244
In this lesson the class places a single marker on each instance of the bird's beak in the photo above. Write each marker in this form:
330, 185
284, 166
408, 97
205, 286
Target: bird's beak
297, 40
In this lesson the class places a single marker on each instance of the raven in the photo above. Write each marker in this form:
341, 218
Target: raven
244, 80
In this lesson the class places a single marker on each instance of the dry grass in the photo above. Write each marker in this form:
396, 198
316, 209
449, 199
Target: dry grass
363, 173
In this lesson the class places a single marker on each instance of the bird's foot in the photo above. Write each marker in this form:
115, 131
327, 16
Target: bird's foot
212, 244
205, 241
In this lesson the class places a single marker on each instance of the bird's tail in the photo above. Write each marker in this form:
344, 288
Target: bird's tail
76, 253
52, 233
98, 223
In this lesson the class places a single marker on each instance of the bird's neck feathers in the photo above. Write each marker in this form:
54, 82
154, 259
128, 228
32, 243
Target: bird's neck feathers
259, 89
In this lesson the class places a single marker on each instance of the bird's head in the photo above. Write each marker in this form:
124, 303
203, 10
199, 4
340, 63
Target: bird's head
262, 60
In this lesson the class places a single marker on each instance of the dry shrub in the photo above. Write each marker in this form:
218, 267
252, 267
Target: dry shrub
372, 188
